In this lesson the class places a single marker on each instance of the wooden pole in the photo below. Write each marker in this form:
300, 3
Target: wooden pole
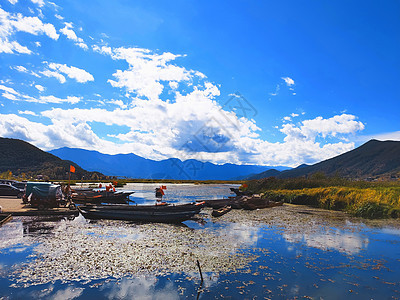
201, 274
69, 179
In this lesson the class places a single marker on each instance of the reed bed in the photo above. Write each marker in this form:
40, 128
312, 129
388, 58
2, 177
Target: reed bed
360, 198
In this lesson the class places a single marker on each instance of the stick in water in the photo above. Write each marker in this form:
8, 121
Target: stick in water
201, 274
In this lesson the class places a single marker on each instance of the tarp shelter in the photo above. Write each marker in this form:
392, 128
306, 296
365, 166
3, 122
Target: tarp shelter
43, 190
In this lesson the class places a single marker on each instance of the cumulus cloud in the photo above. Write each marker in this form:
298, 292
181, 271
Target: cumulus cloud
333, 127
58, 134
12, 23
195, 126
79, 75
147, 70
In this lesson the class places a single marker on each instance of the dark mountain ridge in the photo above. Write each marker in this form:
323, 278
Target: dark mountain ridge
374, 159
20, 158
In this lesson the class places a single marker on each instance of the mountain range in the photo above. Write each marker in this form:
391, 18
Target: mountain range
372, 160
23, 159
134, 166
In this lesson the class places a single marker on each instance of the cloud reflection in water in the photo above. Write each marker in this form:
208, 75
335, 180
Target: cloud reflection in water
350, 243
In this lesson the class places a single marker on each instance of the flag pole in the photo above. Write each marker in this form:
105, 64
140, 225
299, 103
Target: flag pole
69, 180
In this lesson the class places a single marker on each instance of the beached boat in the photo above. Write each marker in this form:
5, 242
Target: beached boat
101, 196
218, 203
221, 211
256, 202
160, 213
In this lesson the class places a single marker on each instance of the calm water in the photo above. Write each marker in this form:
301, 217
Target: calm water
279, 253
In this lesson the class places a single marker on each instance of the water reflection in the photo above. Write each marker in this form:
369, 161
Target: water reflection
240, 234
89, 251
350, 243
142, 287
11, 233
242, 254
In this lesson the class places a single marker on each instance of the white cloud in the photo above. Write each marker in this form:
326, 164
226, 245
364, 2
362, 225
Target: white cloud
82, 45
8, 89
12, 23
53, 99
40, 88
34, 25
56, 135
146, 71
56, 75
120, 103
9, 96
40, 3
12, 94
59, 17
334, 127
22, 69
79, 75
13, 1
386, 136
71, 35
293, 115
289, 81
27, 112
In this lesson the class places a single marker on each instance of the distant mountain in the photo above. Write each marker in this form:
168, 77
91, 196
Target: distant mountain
268, 173
374, 159
21, 157
133, 166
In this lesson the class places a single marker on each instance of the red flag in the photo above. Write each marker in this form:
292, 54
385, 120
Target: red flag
72, 169
164, 187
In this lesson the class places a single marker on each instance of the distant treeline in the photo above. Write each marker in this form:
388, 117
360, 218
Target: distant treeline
360, 198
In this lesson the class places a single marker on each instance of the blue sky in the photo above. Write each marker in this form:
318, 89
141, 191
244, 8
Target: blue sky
278, 83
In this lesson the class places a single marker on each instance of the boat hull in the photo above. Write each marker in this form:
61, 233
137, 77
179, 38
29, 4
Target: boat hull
101, 197
142, 213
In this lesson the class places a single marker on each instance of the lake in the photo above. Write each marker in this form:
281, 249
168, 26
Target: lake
283, 252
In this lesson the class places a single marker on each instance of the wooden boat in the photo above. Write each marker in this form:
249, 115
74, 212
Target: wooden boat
4, 218
97, 197
221, 211
256, 202
233, 202
160, 213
